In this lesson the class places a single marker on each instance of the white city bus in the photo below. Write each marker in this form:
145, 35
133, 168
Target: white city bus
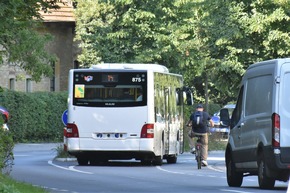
125, 111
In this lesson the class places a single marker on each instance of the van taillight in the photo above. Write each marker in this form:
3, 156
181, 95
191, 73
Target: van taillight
275, 130
71, 130
147, 131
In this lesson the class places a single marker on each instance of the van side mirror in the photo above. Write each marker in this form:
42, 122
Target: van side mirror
225, 118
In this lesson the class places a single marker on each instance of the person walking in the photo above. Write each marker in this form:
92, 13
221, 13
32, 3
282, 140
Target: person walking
199, 123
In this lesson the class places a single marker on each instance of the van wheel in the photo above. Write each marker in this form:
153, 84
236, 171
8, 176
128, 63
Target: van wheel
265, 182
82, 161
234, 178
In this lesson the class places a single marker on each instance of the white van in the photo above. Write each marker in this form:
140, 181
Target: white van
259, 140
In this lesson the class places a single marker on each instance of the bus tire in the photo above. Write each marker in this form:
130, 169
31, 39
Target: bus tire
82, 161
157, 161
98, 161
146, 162
172, 159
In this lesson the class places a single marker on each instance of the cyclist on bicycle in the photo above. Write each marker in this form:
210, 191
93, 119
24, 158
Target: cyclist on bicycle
199, 121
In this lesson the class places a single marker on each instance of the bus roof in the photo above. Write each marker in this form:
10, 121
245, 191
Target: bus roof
153, 67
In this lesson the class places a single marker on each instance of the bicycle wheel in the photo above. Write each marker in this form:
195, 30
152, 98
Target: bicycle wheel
198, 156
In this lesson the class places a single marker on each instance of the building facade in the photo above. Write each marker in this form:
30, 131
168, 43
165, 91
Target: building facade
61, 24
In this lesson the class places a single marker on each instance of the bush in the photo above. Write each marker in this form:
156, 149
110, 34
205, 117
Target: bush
35, 117
6, 151
8, 185
61, 153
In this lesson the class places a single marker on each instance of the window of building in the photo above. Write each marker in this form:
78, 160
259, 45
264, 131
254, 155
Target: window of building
12, 83
28, 85
52, 80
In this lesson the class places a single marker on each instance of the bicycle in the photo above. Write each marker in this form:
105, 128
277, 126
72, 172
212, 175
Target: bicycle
198, 146
197, 151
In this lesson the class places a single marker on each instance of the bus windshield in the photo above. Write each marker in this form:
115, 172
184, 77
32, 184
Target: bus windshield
121, 93
126, 93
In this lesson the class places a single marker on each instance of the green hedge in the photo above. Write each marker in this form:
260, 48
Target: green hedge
35, 117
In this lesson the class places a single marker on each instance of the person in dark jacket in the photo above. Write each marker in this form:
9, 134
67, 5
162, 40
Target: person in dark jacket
200, 129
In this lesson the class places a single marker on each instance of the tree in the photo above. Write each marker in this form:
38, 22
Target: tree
129, 31
210, 41
21, 44
233, 34
152, 31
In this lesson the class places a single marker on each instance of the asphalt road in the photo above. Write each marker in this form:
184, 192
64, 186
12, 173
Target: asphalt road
35, 164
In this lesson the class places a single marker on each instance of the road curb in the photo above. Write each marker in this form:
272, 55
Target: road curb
66, 159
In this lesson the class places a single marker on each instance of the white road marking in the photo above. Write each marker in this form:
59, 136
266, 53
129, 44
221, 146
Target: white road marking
215, 169
70, 168
237, 191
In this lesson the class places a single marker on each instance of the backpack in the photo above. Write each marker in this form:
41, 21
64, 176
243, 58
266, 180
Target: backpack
198, 119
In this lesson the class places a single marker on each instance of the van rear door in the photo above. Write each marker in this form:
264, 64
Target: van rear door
284, 106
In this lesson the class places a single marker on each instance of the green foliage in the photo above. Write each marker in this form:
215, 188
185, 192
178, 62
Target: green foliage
6, 151
61, 153
231, 35
8, 185
216, 142
35, 117
129, 31
207, 39
20, 44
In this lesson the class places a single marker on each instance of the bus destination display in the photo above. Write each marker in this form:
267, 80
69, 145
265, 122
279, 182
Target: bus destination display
109, 78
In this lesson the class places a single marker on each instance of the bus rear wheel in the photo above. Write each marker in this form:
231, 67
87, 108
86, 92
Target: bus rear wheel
146, 162
82, 161
97, 161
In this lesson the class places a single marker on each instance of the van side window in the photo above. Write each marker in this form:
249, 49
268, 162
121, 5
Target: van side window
236, 116
259, 95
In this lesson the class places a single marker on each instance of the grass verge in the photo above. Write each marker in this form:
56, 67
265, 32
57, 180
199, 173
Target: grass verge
7, 185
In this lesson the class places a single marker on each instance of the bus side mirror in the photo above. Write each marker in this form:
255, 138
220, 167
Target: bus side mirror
225, 120
189, 98
179, 96
184, 96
